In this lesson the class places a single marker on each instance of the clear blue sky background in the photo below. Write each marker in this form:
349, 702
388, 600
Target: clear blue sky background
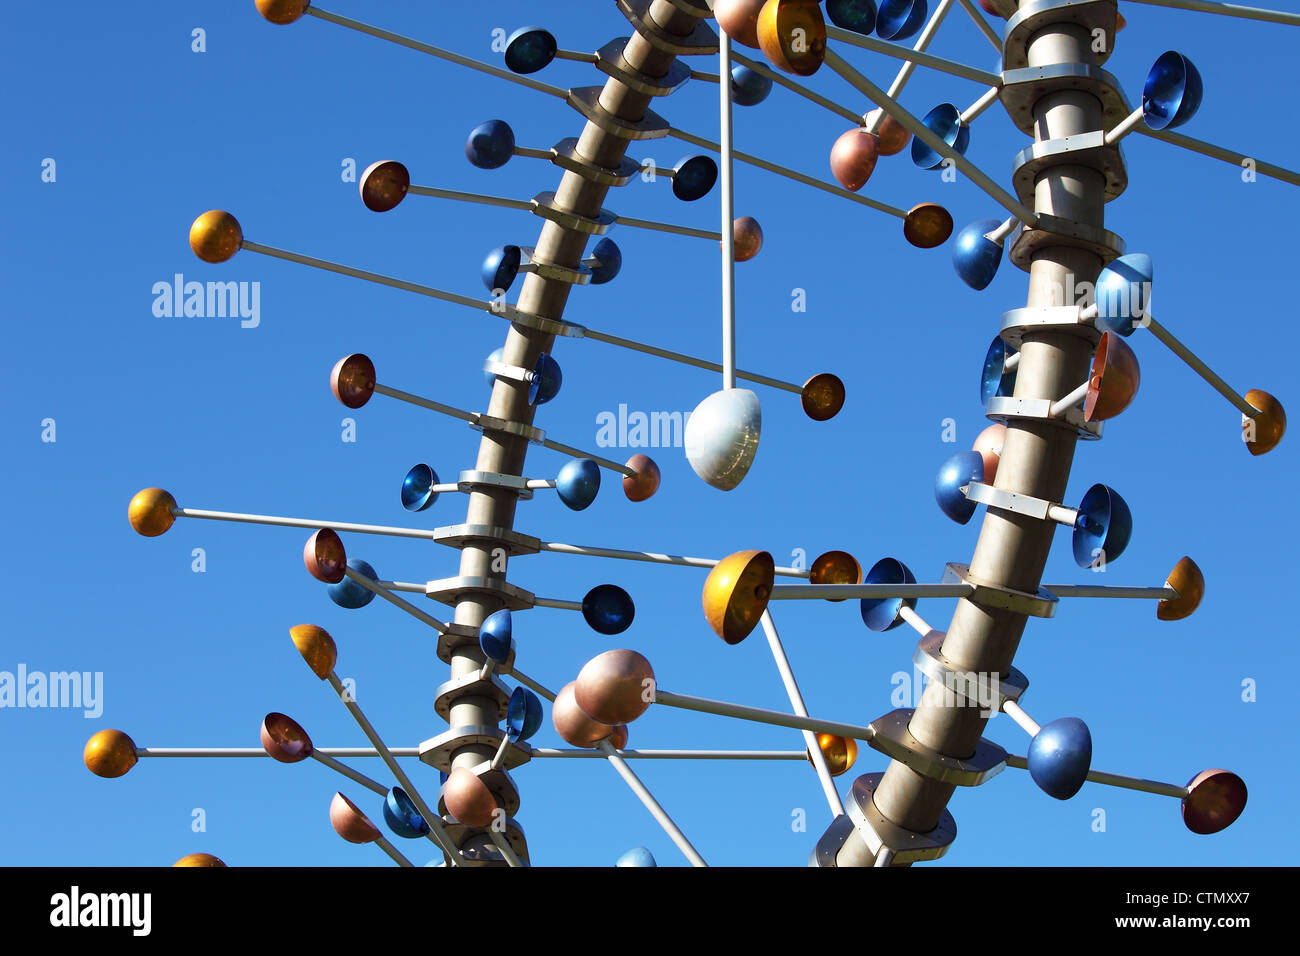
148, 134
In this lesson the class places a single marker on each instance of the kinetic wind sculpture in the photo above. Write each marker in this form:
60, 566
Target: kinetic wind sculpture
1057, 369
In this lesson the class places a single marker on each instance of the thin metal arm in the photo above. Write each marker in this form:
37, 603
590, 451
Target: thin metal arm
313, 523
679, 754
436, 831
789, 592
728, 232
651, 804
688, 360
436, 51
761, 716
354, 775
1218, 152
780, 79
1116, 780
919, 130
797, 705
983, 25
1229, 10
648, 556
374, 587
1199, 367
919, 57
259, 752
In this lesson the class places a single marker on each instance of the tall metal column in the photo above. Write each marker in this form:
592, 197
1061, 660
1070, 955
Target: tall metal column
1036, 457
505, 453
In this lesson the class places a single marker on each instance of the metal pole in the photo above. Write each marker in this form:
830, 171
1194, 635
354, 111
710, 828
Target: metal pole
502, 452
651, 804
1036, 457
725, 166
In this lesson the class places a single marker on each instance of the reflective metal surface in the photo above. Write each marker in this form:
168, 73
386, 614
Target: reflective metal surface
840, 753
1123, 292
199, 859
975, 256
835, 567
615, 687
1104, 527
577, 483
639, 855
853, 158
608, 609
109, 753
1172, 93
739, 19
325, 556
1263, 432
490, 145
606, 262
573, 724
215, 236
927, 225
748, 88
1216, 800
500, 266
736, 593
417, 489
350, 823
945, 122
856, 15
900, 19
546, 382
748, 235
721, 437
468, 798
881, 614
150, 512
353, 380
1187, 580
495, 635
792, 35
645, 482
402, 817
988, 444
529, 49
995, 380
892, 134
523, 714
284, 739
1114, 380
1060, 756
347, 593
316, 647
281, 12
822, 396
957, 472
384, 185
693, 177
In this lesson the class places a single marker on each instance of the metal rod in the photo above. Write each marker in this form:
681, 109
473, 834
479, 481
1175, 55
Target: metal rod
1218, 152
1125, 126
259, 752
979, 106
1097, 591
788, 173
761, 716
435, 51
478, 198
1116, 780
362, 274
651, 557
705, 76
436, 831
312, 523
688, 360
915, 621
504, 846
667, 227
1059, 408
797, 705
449, 410
651, 804
884, 857
679, 754
827, 592
557, 603
574, 55
354, 775
725, 166
386, 845
500, 754
921, 58
1017, 713
905, 71
532, 153
983, 25
782, 80
1199, 367
572, 452
919, 130
375, 588
540, 689
1229, 10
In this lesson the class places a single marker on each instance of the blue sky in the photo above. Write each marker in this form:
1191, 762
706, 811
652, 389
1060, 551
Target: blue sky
146, 134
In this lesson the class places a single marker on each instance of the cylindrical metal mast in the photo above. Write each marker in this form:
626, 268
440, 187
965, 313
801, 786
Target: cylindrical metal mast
1036, 457
502, 452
